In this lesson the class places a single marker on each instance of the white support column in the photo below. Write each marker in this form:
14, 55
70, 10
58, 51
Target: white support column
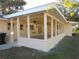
28, 29
55, 28
18, 27
51, 28
11, 33
45, 26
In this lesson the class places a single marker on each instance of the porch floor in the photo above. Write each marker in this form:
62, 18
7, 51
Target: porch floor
40, 36
7, 46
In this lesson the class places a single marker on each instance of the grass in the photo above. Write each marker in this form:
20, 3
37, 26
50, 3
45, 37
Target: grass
76, 31
68, 48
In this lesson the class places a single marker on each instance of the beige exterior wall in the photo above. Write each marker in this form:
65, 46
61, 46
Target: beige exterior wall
68, 29
3, 26
14, 29
23, 30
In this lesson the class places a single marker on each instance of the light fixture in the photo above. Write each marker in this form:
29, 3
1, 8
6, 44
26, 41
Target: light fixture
12, 33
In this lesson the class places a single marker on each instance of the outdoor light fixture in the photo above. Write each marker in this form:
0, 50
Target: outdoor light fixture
76, 25
12, 33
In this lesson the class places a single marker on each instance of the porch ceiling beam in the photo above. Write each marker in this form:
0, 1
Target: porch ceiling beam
39, 16
33, 17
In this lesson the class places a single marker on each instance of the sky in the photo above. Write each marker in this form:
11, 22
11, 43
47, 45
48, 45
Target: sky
34, 3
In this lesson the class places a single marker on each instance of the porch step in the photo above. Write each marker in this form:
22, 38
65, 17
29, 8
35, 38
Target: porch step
7, 46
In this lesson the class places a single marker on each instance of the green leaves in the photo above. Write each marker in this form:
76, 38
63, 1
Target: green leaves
11, 5
69, 4
13, 2
71, 8
75, 5
72, 14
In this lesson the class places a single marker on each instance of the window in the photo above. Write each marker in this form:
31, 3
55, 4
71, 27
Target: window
21, 27
34, 22
8, 25
32, 27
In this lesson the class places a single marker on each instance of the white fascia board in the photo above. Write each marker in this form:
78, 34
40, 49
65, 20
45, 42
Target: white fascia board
3, 19
73, 22
60, 13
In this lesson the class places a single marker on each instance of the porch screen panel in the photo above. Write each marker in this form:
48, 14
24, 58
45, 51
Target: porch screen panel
37, 26
49, 27
23, 26
54, 27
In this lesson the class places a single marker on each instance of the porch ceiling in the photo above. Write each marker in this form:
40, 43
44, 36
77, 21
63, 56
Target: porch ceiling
56, 14
33, 17
39, 15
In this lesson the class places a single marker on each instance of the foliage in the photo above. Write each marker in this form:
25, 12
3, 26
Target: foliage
69, 4
10, 6
72, 14
77, 30
71, 9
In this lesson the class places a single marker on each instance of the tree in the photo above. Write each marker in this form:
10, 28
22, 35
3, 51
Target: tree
71, 9
11, 6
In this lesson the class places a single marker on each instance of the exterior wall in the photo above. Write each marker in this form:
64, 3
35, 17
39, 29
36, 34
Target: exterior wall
23, 31
14, 29
68, 29
3, 26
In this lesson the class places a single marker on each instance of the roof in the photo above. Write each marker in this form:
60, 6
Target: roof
36, 9
73, 22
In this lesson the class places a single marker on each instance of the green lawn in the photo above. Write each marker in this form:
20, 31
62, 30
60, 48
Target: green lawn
68, 48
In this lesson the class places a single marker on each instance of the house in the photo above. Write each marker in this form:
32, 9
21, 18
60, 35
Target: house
39, 28
74, 24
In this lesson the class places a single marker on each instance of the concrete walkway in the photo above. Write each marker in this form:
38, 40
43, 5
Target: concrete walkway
7, 46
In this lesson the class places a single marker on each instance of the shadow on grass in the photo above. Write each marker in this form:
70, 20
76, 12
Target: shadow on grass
68, 48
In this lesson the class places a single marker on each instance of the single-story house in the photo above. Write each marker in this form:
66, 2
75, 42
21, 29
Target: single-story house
39, 28
74, 24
